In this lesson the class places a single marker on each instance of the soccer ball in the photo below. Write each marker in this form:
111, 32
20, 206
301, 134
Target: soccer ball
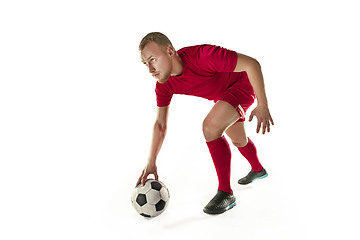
151, 199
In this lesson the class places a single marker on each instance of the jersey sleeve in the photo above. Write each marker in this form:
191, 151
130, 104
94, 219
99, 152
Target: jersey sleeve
217, 59
163, 95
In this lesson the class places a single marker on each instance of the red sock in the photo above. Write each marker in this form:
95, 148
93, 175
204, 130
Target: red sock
250, 153
221, 155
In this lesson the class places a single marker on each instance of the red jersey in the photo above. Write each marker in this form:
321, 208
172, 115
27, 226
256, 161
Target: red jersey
208, 71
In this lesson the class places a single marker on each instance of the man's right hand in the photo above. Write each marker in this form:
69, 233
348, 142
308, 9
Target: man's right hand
149, 169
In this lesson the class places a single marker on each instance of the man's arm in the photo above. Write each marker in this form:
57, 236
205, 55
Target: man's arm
253, 70
159, 132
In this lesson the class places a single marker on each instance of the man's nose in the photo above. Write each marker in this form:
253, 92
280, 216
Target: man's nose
151, 68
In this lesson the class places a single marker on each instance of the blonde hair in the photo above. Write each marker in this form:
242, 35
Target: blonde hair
157, 37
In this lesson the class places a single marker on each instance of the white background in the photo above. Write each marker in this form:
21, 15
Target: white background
77, 109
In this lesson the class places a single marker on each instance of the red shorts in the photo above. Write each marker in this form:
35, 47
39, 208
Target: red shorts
240, 95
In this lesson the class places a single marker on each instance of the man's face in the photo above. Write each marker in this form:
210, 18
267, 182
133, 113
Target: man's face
158, 61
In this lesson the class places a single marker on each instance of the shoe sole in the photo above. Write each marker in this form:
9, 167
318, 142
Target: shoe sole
231, 206
261, 177
222, 211
264, 176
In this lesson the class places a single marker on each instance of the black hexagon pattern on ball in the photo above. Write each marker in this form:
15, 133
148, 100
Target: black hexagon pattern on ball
156, 186
145, 215
141, 199
160, 205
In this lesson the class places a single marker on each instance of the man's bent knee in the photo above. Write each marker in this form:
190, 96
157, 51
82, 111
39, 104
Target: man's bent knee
240, 143
211, 130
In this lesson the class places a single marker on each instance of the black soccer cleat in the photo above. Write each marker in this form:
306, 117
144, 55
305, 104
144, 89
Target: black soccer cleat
222, 202
252, 176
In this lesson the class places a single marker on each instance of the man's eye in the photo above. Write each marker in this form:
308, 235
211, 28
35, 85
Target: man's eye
152, 60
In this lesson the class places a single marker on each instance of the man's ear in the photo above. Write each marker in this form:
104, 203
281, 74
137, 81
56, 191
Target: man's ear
170, 50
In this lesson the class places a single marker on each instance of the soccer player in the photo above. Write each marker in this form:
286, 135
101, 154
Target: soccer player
232, 80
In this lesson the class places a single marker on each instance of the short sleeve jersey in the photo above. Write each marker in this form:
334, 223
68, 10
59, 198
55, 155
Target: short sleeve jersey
208, 71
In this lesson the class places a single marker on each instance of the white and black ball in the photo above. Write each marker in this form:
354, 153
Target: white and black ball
151, 199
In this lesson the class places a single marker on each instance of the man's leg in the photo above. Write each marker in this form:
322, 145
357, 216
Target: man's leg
221, 116
247, 148
237, 134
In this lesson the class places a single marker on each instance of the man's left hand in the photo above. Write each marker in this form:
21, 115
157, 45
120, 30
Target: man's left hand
264, 118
